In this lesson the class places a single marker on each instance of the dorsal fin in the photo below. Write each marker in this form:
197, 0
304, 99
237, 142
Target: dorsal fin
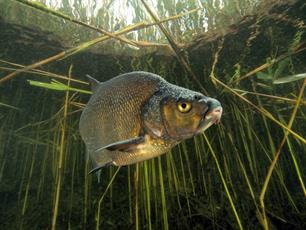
94, 83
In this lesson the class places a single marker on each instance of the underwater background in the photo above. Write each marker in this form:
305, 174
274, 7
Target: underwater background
246, 173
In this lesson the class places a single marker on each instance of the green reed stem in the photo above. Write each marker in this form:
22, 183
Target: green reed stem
175, 179
102, 197
147, 193
130, 194
163, 195
184, 179
185, 151
224, 183
297, 168
136, 186
86, 189
275, 160
28, 184
72, 187
262, 111
60, 169
155, 192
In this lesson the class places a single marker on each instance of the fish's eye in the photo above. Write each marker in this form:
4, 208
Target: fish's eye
184, 107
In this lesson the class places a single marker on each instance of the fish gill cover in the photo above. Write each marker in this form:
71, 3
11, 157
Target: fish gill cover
246, 173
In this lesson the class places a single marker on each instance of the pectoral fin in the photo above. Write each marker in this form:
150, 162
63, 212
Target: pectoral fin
124, 146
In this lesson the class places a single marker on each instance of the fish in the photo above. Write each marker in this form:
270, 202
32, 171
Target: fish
138, 115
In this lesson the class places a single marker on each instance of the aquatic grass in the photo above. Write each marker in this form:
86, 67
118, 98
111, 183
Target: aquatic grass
272, 61
8, 106
3, 159
98, 214
276, 98
137, 196
297, 167
250, 187
56, 85
175, 47
147, 194
224, 183
244, 119
72, 189
231, 12
215, 60
25, 199
273, 150
175, 178
183, 176
169, 172
185, 151
35, 144
163, 196
200, 169
60, 164
43, 171
43, 8
133, 43
252, 161
275, 160
262, 217
87, 183
82, 47
243, 137
289, 79
262, 111
39, 72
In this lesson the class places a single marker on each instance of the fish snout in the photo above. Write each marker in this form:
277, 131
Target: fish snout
214, 110
215, 114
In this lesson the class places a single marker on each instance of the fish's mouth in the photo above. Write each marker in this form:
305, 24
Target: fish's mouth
211, 117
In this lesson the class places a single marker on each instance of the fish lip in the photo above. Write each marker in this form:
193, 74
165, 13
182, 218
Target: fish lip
210, 117
216, 113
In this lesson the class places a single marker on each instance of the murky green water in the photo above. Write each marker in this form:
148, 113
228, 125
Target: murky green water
231, 51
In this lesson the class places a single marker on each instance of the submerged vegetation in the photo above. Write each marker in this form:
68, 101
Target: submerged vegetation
247, 173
